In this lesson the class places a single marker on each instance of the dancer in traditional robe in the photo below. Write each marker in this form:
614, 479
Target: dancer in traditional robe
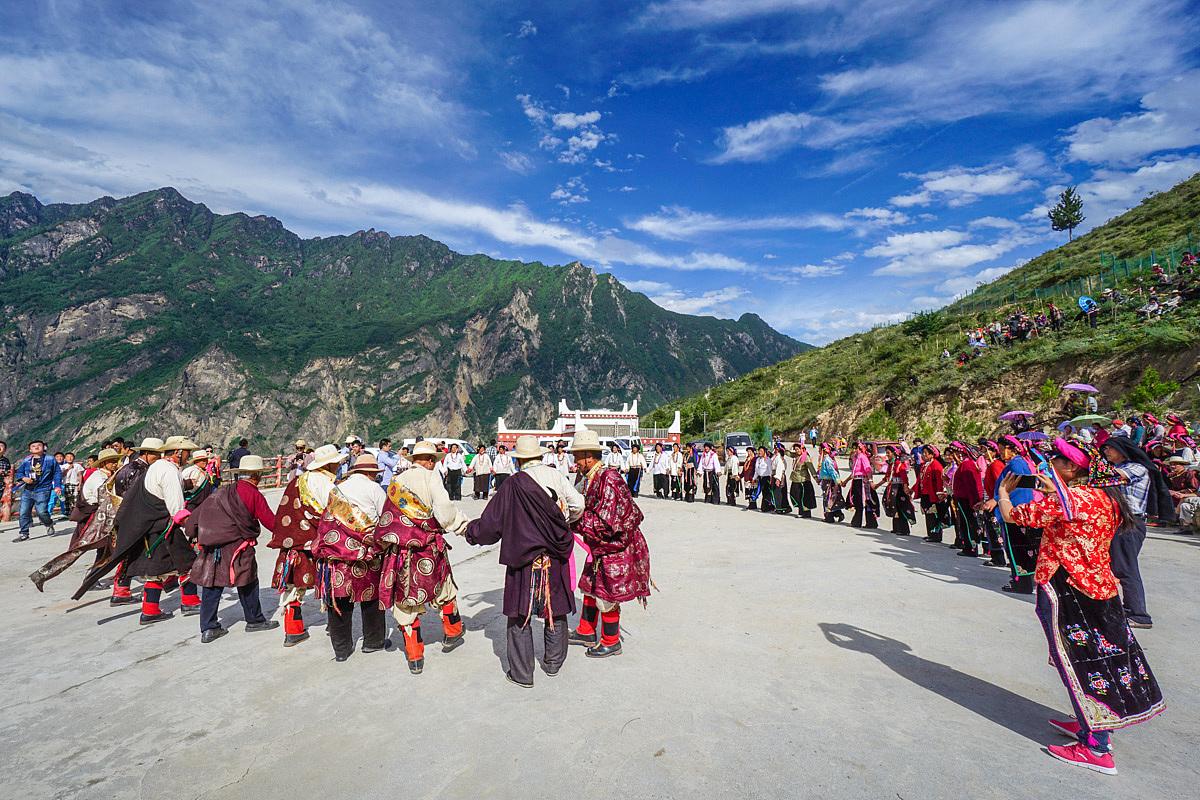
502, 466
710, 472
675, 471
227, 527
800, 481
932, 490
618, 568
966, 492
296, 521
660, 469
733, 476
348, 567
416, 558
198, 484
862, 494
831, 487
94, 513
635, 469
529, 516
480, 471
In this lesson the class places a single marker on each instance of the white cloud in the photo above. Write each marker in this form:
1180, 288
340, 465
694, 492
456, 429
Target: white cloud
569, 120
627, 189
943, 251
710, 303
1109, 192
966, 283
818, 270
959, 186
533, 109
765, 138
883, 216
647, 287
1169, 120
517, 162
526, 29
654, 76
573, 191
680, 223
703, 13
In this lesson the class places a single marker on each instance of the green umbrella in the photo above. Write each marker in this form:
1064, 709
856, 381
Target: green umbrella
1091, 419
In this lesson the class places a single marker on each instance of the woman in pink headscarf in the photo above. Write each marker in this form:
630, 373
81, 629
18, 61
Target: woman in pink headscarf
862, 495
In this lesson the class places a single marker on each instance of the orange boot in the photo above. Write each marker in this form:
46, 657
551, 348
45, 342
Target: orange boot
452, 627
414, 647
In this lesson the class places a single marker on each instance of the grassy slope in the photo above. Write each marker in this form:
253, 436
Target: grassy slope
867, 367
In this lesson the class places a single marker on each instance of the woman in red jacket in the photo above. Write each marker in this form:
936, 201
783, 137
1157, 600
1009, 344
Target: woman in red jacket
931, 488
966, 492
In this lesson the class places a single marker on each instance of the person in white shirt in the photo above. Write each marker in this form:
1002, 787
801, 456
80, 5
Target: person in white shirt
481, 470
675, 471
636, 467
430, 559
762, 476
710, 471
779, 473
614, 458
455, 465
502, 466
72, 474
402, 462
733, 476
660, 468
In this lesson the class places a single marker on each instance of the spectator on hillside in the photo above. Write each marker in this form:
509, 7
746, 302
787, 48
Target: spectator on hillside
236, 454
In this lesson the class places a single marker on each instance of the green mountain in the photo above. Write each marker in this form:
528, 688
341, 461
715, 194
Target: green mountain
151, 314
893, 380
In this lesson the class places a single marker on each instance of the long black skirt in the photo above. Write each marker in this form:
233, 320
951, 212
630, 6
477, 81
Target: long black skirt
1096, 655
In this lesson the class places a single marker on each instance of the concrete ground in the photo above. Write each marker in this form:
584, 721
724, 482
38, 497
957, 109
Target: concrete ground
779, 658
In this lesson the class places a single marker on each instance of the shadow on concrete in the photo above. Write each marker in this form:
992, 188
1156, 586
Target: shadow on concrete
1010, 710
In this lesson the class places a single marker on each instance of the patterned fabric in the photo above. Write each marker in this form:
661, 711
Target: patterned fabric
347, 566
297, 519
416, 561
1079, 545
1097, 656
1101, 473
619, 567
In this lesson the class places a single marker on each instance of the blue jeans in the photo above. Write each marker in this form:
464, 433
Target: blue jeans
31, 499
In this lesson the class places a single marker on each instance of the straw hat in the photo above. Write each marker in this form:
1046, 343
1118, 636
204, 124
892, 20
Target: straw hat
586, 441
201, 455
106, 455
365, 463
301, 443
1177, 460
424, 448
251, 463
174, 443
150, 444
527, 448
352, 439
325, 455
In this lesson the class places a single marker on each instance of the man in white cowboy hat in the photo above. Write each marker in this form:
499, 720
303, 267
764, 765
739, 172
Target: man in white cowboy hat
93, 523
296, 521
618, 567
348, 566
416, 568
529, 517
227, 527
150, 534
197, 483
139, 460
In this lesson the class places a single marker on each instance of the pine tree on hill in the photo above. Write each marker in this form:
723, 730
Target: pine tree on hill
1067, 214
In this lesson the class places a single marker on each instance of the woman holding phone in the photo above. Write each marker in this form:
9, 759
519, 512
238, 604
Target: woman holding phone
1108, 680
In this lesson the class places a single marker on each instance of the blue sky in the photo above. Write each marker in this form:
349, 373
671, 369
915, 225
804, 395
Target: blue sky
827, 164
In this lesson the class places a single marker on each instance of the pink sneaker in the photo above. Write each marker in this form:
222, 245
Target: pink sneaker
1069, 727
1080, 756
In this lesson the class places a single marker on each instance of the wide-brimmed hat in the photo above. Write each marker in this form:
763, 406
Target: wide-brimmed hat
174, 443
586, 441
325, 455
352, 440
425, 448
528, 447
106, 455
251, 464
151, 444
301, 443
201, 455
1176, 460
365, 463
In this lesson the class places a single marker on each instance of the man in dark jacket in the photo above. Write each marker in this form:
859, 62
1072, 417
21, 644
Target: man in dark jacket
226, 526
535, 545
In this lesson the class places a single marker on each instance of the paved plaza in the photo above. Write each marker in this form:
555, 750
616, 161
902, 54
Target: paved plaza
779, 658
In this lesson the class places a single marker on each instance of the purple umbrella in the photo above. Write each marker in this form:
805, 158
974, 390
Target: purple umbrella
1081, 387
1011, 415
1033, 436
1062, 426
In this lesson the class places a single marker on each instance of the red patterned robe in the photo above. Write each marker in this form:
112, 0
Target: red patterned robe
347, 565
416, 561
619, 567
297, 520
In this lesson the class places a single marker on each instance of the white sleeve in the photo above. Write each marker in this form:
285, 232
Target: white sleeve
572, 498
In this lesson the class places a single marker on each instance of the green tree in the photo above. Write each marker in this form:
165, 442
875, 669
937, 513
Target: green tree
1067, 214
1049, 391
1149, 392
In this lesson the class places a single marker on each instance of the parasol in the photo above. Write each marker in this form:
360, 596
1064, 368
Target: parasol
1011, 415
1081, 387
1090, 419
1032, 436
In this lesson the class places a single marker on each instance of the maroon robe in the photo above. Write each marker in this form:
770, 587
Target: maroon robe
619, 567
528, 523
226, 528
416, 560
346, 565
296, 525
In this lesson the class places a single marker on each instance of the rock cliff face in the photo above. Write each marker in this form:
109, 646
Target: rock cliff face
152, 315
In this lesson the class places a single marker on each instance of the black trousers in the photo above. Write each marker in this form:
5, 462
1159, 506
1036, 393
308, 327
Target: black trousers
1021, 544
937, 517
340, 622
210, 602
660, 485
712, 487
633, 479
966, 527
865, 500
803, 496
731, 490
689, 485
520, 647
766, 495
500, 477
1124, 551
994, 545
781, 497
454, 483
676, 487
